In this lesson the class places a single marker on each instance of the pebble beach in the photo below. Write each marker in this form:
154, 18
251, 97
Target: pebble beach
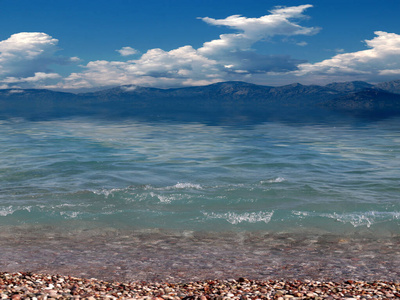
26, 285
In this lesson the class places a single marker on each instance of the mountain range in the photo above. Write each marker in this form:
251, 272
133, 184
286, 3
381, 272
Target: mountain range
220, 98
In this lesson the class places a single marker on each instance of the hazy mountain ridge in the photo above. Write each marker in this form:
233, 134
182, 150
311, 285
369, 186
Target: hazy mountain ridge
390, 86
367, 100
218, 98
233, 92
350, 86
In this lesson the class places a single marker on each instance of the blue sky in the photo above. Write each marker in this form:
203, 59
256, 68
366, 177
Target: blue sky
77, 45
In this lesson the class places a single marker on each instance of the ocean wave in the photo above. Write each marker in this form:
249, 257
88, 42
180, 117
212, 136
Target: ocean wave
273, 180
9, 210
163, 198
178, 186
187, 185
70, 214
108, 192
5, 211
365, 219
236, 218
356, 219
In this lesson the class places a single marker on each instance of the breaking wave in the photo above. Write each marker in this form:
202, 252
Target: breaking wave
236, 218
356, 219
274, 180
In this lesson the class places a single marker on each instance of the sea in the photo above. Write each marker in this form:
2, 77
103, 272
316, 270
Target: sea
167, 200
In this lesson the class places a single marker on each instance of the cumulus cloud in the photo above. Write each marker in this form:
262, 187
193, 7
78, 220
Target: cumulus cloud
74, 59
155, 67
228, 58
251, 30
126, 51
25, 53
25, 58
383, 58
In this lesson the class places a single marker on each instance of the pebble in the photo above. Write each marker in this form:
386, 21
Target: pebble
26, 285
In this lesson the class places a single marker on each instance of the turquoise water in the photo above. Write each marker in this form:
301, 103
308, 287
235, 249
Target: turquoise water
275, 177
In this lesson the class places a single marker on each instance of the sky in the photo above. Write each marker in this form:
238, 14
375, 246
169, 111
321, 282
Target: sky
84, 45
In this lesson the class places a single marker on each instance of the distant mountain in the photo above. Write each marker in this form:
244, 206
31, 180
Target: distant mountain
37, 94
350, 86
224, 93
301, 95
225, 98
369, 100
215, 94
391, 86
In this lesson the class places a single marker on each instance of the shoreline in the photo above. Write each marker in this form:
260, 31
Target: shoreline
27, 285
171, 257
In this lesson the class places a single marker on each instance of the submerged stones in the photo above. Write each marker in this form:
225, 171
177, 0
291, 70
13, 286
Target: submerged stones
26, 285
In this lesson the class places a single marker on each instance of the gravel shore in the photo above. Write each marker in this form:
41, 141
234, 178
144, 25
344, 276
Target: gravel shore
26, 285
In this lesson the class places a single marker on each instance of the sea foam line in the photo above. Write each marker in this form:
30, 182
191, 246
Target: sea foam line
5, 211
356, 219
236, 218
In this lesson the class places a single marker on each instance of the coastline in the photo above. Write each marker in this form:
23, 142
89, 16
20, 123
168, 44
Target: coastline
26, 285
159, 264
182, 256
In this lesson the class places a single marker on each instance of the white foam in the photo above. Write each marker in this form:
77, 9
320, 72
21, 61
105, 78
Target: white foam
5, 211
236, 218
187, 185
68, 205
107, 192
274, 180
70, 214
356, 219
10, 210
301, 214
163, 199
365, 219
178, 186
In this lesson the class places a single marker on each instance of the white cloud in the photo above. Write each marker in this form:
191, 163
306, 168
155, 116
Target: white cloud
39, 76
302, 44
75, 59
25, 57
16, 91
126, 51
252, 30
395, 72
383, 58
25, 53
228, 58
155, 67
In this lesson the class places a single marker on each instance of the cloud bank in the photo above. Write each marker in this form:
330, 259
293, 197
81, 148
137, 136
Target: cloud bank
230, 57
27, 58
382, 59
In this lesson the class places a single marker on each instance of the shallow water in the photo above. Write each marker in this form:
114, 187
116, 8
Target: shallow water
99, 194
159, 255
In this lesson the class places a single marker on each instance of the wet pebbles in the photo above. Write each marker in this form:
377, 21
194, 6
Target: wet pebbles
25, 285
